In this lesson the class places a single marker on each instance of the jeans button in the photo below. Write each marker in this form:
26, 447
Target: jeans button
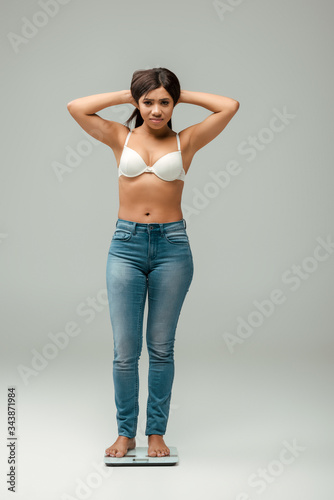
151, 227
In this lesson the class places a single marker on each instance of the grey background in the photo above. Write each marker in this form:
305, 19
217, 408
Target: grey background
232, 413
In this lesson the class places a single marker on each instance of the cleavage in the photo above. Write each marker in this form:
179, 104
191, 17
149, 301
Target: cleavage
147, 164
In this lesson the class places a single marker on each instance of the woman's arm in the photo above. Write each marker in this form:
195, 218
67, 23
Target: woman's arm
94, 103
223, 108
84, 111
213, 102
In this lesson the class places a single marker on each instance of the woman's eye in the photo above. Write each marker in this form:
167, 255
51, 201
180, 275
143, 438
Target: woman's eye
163, 102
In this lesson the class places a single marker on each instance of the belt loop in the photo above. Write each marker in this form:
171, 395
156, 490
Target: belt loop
184, 223
134, 228
161, 229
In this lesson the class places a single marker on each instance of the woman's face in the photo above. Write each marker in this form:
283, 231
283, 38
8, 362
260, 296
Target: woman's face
156, 104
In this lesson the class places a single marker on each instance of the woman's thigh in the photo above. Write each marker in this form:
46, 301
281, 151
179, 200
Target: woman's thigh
168, 283
127, 289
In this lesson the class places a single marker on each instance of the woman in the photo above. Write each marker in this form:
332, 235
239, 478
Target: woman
149, 251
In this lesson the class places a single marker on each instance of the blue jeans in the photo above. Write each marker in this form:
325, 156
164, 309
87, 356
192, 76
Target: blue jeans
153, 259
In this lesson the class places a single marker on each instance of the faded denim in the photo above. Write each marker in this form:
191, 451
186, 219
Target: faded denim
156, 260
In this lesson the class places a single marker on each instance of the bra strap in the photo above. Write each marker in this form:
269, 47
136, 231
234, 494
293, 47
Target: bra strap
178, 142
127, 137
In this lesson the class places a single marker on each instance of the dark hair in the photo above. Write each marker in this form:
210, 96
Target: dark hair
145, 80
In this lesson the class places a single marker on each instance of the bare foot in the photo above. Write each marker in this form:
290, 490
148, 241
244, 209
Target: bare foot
121, 446
157, 446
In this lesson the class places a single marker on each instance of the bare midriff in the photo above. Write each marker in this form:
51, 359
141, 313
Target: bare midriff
147, 199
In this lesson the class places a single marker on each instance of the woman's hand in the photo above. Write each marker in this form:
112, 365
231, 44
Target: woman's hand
130, 99
179, 99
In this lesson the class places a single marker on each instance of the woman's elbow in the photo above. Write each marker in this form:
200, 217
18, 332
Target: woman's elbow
71, 106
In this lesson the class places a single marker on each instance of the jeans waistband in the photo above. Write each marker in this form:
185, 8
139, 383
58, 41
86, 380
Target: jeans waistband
152, 226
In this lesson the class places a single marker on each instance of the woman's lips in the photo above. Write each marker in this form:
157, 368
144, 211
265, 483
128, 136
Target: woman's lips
156, 121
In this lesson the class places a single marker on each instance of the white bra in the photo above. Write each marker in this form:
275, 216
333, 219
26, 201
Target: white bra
168, 169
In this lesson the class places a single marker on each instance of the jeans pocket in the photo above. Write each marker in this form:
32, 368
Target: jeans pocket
178, 237
122, 235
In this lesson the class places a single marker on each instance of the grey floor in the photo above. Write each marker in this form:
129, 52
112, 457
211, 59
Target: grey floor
245, 427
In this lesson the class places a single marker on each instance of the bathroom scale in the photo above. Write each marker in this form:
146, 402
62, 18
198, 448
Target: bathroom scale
139, 456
